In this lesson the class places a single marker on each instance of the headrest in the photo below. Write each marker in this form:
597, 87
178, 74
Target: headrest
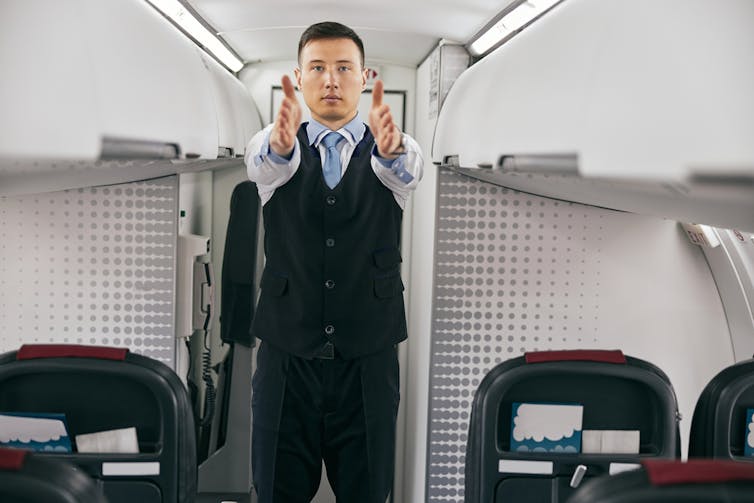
696, 471
34, 351
590, 355
12, 459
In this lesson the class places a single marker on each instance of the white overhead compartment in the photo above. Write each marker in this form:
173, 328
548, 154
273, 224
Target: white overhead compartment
46, 91
237, 116
650, 101
82, 76
151, 84
108, 91
249, 113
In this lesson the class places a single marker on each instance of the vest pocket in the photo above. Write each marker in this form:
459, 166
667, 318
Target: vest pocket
388, 286
273, 283
386, 258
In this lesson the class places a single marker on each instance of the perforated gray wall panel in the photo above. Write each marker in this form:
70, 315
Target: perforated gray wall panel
513, 273
90, 266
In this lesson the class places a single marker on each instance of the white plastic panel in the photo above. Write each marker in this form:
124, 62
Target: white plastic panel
45, 89
91, 266
36, 176
732, 265
151, 84
247, 108
233, 105
728, 205
641, 89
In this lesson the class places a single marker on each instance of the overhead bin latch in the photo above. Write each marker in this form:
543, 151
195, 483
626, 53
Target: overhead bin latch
701, 235
127, 149
546, 164
451, 161
224, 153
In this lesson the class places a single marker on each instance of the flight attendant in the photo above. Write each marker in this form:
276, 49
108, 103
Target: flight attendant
331, 311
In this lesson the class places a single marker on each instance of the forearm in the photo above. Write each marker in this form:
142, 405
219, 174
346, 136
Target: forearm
401, 175
268, 170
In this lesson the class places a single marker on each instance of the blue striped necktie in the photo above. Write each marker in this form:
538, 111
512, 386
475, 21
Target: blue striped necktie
331, 167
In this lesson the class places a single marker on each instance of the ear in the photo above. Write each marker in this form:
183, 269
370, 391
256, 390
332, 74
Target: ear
364, 78
297, 73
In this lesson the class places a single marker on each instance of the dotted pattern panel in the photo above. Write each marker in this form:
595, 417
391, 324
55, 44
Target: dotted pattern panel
91, 266
513, 273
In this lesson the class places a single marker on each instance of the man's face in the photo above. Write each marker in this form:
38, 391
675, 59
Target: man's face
332, 79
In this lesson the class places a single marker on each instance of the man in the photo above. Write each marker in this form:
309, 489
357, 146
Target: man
331, 310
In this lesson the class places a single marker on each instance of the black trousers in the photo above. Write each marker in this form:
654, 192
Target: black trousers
339, 411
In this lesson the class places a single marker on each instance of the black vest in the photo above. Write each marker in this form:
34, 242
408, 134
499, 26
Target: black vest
333, 264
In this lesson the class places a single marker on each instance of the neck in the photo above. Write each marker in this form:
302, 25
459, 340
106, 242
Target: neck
336, 124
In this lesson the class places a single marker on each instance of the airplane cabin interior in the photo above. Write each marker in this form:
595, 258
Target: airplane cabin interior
578, 258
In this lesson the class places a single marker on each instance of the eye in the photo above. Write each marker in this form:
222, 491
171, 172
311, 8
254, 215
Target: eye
344, 68
318, 68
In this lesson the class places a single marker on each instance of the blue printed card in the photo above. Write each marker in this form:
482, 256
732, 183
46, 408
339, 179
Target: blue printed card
546, 427
34, 431
749, 433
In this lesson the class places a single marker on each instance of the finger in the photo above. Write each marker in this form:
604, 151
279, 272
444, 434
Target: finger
296, 115
285, 138
386, 121
386, 143
389, 140
382, 112
284, 120
377, 93
376, 116
288, 118
288, 89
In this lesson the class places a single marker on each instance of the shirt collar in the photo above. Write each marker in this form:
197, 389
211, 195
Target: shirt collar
353, 131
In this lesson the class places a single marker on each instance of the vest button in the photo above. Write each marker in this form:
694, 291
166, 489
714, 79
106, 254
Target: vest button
329, 330
331, 200
329, 242
329, 284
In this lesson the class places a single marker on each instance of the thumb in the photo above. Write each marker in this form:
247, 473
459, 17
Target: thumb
377, 93
288, 89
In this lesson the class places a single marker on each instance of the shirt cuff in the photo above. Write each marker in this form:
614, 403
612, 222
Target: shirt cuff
397, 166
266, 151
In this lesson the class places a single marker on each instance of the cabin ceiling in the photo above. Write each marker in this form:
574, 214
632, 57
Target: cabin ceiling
394, 32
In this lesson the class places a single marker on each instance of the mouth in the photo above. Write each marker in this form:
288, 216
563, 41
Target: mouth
330, 99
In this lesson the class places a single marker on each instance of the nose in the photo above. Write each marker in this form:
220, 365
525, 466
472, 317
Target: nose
331, 80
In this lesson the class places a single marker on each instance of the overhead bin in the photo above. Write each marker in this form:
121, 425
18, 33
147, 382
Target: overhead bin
151, 84
641, 106
237, 117
91, 73
108, 91
46, 90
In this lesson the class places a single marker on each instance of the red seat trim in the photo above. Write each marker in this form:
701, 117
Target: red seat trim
697, 471
34, 351
12, 459
591, 355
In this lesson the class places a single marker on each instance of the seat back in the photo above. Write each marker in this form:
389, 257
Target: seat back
100, 389
616, 392
26, 477
662, 481
239, 265
722, 418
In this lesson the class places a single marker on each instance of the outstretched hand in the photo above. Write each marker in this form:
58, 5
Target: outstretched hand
283, 136
387, 136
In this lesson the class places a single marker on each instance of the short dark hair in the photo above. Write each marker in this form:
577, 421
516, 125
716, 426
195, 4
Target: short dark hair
329, 29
